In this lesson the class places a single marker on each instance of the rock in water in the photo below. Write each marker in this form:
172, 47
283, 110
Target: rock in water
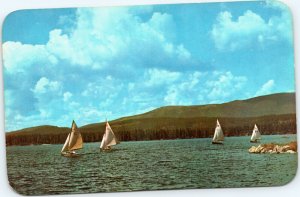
274, 148
252, 149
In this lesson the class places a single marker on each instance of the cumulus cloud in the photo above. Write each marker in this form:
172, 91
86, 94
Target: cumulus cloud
224, 85
160, 76
105, 38
18, 57
44, 84
249, 29
201, 88
266, 88
109, 37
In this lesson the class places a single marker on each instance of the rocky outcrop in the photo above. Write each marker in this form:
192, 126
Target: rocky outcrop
274, 148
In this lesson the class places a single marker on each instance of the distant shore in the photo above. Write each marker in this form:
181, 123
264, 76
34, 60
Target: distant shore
45, 144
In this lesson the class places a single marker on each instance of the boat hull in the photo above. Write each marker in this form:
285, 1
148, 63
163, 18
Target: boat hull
217, 142
106, 149
70, 154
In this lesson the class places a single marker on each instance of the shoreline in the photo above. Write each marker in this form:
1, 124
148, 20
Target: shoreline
282, 136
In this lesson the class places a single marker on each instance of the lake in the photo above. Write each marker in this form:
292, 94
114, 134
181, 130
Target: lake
149, 165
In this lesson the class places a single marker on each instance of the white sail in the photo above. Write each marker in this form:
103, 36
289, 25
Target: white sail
109, 138
74, 140
255, 134
103, 141
66, 145
218, 136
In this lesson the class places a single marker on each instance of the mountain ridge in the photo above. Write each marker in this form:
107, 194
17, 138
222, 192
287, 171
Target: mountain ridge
218, 110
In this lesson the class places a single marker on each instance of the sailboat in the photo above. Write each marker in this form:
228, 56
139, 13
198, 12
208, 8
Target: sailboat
255, 135
73, 142
218, 136
109, 139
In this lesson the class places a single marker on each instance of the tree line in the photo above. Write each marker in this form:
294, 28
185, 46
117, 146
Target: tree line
158, 128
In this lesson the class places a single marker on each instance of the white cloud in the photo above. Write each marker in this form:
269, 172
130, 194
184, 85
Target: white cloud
200, 88
225, 85
104, 38
183, 53
18, 57
160, 77
43, 85
249, 29
60, 46
266, 88
67, 96
114, 36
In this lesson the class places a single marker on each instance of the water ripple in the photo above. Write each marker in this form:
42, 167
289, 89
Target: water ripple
150, 165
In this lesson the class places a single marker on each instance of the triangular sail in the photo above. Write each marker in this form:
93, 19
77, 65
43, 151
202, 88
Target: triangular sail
109, 138
74, 140
218, 136
66, 145
255, 134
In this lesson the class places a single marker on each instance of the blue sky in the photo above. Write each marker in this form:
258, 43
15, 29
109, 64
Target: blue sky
86, 64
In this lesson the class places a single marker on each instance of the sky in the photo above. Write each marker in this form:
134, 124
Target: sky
87, 64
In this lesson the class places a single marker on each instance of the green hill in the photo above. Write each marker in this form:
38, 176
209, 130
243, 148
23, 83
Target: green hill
275, 104
274, 114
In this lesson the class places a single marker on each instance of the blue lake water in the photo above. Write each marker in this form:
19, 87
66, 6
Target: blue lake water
149, 165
